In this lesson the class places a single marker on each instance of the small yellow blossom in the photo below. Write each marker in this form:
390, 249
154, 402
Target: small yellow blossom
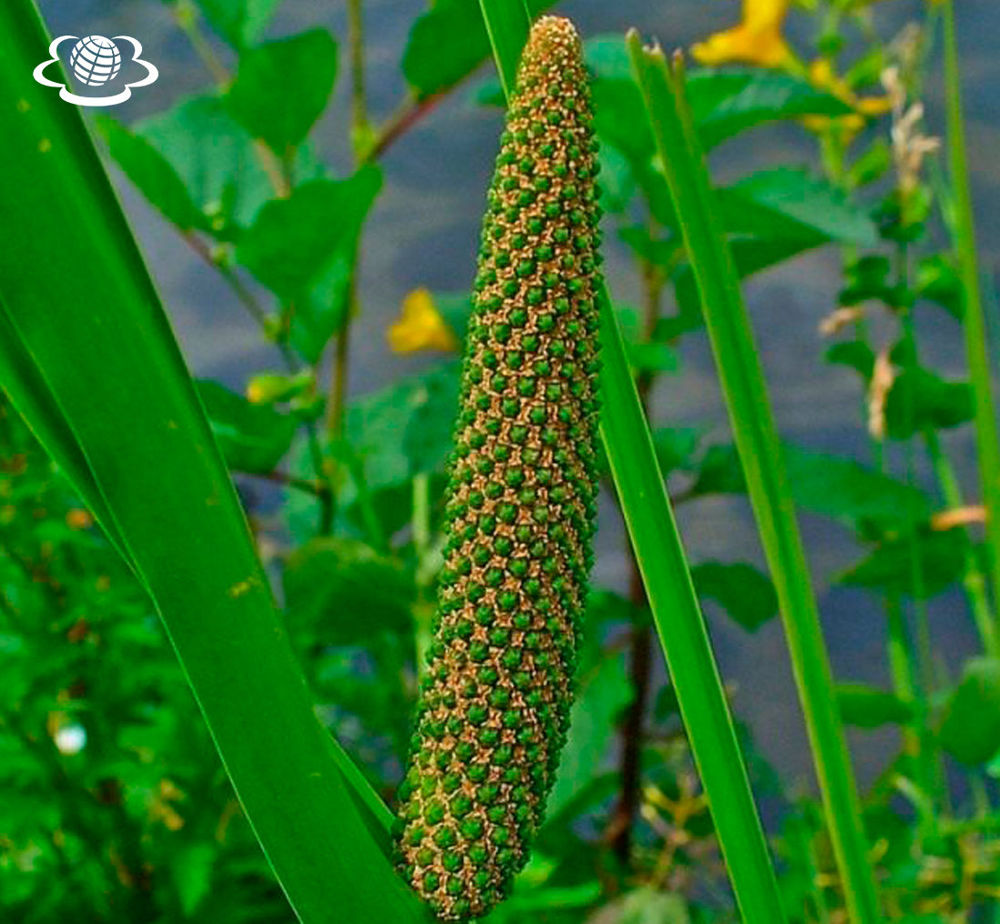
823, 76
421, 327
756, 40
79, 519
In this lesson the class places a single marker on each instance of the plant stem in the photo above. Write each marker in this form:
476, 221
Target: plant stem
641, 654
341, 350
973, 580
359, 103
409, 112
973, 318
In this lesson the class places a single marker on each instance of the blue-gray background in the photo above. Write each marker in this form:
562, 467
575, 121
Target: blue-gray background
424, 230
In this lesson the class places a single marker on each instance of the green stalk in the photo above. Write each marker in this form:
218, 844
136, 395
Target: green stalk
757, 441
660, 555
973, 317
973, 579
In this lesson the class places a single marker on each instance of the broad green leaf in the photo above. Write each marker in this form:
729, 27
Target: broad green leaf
750, 256
293, 241
824, 484
920, 398
743, 591
855, 354
723, 102
239, 22
652, 358
405, 429
282, 88
603, 694
938, 281
322, 311
889, 568
970, 731
217, 159
868, 278
675, 447
447, 43
770, 217
347, 591
153, 174
433, 404
796, 194
253, 437
864, 706
727, 102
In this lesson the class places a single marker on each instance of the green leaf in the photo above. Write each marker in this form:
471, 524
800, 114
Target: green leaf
253, 437
727, 102
824, 484
737, 361
855, 354
405, 429
322, 311
675, 448
603, 694
347, 591
191, 871
293, 241
217, 160
153, 174
88, 316
864, 706
239, 22
938, 281
889, 568
723, 102
652, 358
743, 591
868, 278
920, 398
282, 88
814, 203
447, 43
970, 731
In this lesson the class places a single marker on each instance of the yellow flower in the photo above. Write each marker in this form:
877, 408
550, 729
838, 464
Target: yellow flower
823, 76
421, 327
756, 40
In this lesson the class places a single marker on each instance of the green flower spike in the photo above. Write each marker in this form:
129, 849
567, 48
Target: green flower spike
520, 504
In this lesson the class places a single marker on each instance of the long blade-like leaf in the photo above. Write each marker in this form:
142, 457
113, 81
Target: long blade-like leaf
974, 326
29, 392
757, 441
77, 295
667, 578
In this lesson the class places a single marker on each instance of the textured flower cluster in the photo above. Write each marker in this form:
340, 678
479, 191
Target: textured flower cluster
496, 696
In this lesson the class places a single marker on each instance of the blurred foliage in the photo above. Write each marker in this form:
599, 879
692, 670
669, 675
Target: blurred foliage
113, 806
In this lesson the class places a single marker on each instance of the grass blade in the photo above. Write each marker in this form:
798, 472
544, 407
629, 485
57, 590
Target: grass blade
95, 340
29, 392
507, 23
757, 441
973, 318
674, 604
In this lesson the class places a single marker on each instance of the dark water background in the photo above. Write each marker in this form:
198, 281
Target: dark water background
424, 230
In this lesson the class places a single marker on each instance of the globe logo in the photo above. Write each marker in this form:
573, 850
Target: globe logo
95, 60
